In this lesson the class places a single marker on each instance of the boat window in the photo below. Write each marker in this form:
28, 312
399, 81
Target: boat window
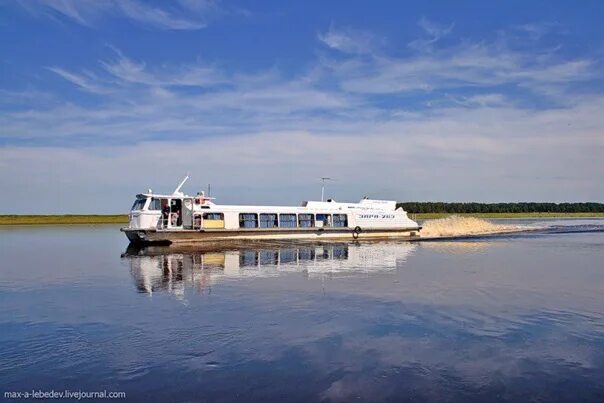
268, 220
155, 204
139, 203
287, 220
248, 220
325, 219
306, 220
340, 220
213, 216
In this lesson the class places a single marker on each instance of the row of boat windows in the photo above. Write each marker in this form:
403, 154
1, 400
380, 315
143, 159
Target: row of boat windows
271, 220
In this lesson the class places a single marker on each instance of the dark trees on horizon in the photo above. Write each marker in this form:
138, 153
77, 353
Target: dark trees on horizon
523, 207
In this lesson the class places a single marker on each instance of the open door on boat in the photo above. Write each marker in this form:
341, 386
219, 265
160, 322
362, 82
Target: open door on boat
187, 213
172, 213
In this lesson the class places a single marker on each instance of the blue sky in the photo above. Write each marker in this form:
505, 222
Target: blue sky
449, 101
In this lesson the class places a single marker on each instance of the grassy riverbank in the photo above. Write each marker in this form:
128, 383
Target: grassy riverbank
62, 219
123, 218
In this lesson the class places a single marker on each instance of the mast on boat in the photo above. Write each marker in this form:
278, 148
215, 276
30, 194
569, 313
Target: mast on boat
323, 186
177, 190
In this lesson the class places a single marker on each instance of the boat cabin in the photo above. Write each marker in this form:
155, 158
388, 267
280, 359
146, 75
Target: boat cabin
165, 212
172, 212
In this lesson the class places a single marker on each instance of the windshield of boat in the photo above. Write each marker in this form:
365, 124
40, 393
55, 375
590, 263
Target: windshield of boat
139, 203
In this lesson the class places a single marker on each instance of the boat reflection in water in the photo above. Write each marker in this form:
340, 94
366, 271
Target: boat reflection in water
166, 268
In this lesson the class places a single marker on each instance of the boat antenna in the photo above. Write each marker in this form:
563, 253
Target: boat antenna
209, 189
323, 186
181, 183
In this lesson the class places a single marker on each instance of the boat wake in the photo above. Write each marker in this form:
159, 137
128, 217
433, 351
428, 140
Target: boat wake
454, 226
461, 227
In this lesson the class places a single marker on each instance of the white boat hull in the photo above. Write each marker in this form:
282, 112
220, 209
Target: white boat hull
204, 236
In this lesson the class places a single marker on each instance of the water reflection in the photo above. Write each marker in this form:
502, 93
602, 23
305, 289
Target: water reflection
164, 268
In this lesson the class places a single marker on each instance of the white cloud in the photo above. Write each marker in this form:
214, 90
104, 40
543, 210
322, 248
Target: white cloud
127, 71
157, 17
348, 40
478, 153
434, 30
183, 15
536, 30
81, 81
462, 66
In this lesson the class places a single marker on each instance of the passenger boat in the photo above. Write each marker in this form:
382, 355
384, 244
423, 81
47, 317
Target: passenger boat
179, 218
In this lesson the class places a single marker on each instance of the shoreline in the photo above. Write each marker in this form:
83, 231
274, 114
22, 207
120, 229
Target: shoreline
516, 216
87, 219
62, 219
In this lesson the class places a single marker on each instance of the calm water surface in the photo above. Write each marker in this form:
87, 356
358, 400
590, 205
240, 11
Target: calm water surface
499, 318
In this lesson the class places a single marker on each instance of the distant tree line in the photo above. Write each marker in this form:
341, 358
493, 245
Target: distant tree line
529, 207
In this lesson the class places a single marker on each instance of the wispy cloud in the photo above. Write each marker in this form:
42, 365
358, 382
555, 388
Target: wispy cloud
82, 81
337, 94
349, 40
180, 15
160, 18
434, 32
536, 30
463, 65
126, 70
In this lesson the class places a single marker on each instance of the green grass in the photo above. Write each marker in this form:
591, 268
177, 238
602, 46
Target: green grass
62, 219
123, 218
428, 216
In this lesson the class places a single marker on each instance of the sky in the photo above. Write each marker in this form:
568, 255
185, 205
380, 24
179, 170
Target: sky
411, 101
